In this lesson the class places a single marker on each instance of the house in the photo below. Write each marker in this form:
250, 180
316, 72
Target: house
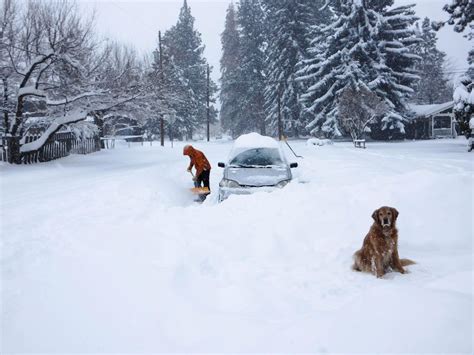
432, 121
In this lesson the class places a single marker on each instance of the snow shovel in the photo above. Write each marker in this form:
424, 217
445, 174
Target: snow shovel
198, 190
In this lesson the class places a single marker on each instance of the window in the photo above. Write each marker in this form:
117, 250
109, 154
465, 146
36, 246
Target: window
442, 122
257, 157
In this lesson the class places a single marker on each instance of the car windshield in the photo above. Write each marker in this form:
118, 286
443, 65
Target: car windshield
257, 157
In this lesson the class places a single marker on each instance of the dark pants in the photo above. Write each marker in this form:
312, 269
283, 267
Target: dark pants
203, 179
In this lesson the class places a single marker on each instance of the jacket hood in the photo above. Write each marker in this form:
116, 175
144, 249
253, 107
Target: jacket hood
188, 150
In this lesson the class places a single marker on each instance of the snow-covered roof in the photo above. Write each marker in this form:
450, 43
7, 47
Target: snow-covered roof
429, 110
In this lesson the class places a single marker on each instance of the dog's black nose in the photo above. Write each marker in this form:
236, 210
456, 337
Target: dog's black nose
385, 221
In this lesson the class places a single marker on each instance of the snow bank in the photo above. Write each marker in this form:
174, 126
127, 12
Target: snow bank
108, 253
318, 142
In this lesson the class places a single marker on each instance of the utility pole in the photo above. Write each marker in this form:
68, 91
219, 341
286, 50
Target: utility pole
162, 120
280, 126
208, 99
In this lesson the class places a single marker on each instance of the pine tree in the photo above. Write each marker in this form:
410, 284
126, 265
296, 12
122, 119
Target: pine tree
289, 23
464, 102
183, 48
399, 76
367, 46
169, 92
433, 87
461, 15
231, 88
252, 73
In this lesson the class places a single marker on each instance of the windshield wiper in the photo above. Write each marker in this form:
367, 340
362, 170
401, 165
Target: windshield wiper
251, 166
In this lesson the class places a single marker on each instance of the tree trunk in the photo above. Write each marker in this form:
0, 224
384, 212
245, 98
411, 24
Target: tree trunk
13, 153
262, 125
5, 104
99, 122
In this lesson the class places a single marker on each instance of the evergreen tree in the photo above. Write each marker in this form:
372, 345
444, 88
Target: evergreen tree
182, 46
289, 23
399, 76
252, 60
231, 95
461, 15
170, 93
433, 87
367, 46
464, 102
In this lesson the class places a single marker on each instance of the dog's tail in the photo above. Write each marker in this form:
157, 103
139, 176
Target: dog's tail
406, 262
356, 258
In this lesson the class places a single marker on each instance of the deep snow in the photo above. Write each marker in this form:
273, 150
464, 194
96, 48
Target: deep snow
108, 253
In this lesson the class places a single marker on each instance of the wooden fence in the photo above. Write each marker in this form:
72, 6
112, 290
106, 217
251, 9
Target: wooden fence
57, 146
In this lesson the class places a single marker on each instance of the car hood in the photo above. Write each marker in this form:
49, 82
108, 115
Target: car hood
258, 176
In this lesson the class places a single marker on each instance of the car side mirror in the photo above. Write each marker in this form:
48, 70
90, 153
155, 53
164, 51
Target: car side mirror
221, 165
293, 165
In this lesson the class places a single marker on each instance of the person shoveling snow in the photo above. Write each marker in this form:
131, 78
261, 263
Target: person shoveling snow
203, 169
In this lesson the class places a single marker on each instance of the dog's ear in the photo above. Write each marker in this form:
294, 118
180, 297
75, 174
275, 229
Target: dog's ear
395, 213
375, 215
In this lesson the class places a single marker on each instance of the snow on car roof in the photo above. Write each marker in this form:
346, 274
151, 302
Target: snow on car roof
255, 140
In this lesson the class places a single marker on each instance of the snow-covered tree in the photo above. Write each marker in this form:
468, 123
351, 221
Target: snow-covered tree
56, 72
48, 55
433, 87
251, 18
461, 15
366, 46
183, 48
8, 25
464, 103
359, 108
289, 26
231, 95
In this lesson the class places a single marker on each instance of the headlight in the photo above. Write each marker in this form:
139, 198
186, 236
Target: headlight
282, 183
228, 183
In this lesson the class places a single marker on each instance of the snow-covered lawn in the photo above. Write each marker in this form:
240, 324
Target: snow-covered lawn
108, 253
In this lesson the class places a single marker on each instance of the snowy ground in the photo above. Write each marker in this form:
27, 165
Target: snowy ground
108, 253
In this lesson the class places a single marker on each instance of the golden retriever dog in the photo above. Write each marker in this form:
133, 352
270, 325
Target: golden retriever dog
379, 252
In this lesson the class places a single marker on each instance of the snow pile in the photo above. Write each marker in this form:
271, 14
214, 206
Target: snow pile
108, 253
318, 141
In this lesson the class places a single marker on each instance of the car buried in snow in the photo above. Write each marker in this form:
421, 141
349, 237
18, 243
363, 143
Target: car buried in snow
255, 163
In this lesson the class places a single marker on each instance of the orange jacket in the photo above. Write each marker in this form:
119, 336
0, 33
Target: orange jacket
198, 159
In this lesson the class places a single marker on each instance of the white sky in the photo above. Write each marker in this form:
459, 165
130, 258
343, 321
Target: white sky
138, 22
